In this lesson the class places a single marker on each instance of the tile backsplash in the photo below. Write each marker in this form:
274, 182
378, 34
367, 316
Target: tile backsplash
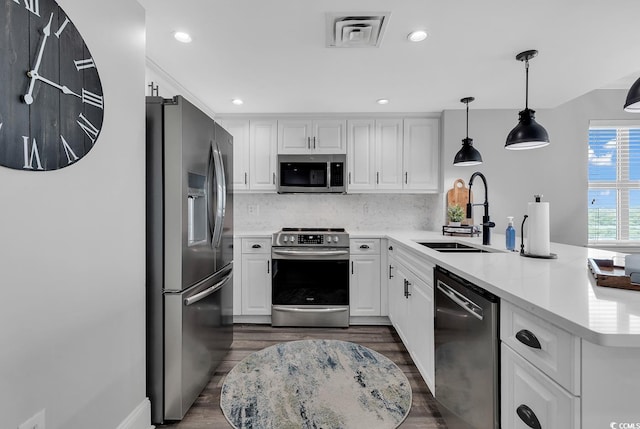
355, 212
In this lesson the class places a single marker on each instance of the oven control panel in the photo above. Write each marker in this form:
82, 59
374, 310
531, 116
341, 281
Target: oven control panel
310, 239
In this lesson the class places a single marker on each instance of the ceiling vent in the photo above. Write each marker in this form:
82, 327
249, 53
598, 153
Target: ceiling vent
356, 30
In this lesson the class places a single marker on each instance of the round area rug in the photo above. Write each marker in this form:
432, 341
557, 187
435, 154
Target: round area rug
316, 384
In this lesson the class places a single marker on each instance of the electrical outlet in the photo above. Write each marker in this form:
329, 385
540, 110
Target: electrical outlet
252, 209
35, 422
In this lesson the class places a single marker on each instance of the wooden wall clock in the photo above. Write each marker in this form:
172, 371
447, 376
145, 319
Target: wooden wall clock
51, 99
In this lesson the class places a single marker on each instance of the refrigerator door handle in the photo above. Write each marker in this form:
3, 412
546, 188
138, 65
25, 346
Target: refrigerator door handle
205, 293
210, 187
223, 195
220, 195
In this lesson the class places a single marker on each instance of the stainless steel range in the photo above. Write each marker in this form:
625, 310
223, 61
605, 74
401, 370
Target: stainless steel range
310, 277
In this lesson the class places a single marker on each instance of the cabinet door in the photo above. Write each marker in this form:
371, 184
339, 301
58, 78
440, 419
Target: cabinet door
237, 278
389, 154
422, 154
364, 285
420, 335
399, 303
528, 394
239, 129
263, 155
361, 150
294, 136
329, 136
256, 284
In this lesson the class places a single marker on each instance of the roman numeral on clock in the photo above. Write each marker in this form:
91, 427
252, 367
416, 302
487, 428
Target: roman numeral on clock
32, 6
30, 154
84, 64
64, 24
68, 151
91, 98
89, 129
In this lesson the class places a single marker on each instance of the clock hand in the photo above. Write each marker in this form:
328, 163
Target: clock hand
28, 97
62, 88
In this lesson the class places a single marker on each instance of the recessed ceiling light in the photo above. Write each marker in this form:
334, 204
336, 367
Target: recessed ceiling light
382, 101
237, 101
417, 36
182, 37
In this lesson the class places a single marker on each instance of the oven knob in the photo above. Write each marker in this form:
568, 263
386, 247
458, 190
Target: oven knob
286, 238
293, 238
328, 239
335, 239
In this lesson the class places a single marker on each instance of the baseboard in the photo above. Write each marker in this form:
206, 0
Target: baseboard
139, 418
258, 320
369, 320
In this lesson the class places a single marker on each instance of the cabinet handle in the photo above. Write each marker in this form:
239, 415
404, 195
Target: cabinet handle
529, 418
308, 142
349, 177
390, 247
268, 267
274, 178
406, 177
364, 246
390, 268
351, 267
256, 246
245, 178
377, 178
528, 339
408, 293
314, 142
405, 287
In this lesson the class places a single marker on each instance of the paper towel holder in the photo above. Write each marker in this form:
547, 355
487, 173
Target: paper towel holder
531, 255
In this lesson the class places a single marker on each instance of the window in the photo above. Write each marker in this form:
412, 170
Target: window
614, 181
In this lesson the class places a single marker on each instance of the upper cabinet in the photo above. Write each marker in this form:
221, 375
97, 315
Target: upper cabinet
254, 153
394, 155
303, 136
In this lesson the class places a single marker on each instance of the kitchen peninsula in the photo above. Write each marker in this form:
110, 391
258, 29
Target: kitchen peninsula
585, 373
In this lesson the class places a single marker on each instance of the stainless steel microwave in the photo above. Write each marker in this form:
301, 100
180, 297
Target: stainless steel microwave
311, 173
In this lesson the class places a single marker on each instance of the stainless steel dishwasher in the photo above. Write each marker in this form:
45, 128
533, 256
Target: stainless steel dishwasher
467, 353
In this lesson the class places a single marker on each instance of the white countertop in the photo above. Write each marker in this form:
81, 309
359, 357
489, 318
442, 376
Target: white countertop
561, 291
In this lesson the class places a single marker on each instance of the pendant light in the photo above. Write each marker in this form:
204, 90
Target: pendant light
528, 134
633, 98
468, 155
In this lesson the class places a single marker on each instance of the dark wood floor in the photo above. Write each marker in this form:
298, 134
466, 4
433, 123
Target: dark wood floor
206, 413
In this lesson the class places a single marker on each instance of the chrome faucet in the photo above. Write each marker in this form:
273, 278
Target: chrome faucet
486, 222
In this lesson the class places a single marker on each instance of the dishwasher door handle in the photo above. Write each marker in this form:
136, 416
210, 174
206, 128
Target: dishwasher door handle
464, 303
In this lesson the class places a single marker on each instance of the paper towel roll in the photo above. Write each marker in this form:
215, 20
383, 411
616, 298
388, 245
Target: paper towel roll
538, 236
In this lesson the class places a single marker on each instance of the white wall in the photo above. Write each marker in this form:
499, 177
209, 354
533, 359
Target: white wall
72, 254
558, 171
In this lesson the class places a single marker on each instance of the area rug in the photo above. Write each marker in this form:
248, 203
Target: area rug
316, 384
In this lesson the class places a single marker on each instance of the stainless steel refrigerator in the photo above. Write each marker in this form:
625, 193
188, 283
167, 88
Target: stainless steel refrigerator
189, 253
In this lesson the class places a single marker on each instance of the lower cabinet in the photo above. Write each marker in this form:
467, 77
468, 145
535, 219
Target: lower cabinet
364, 283
256, 277
411, 308
531, 399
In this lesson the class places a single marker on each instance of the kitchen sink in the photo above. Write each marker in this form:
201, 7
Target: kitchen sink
453, 247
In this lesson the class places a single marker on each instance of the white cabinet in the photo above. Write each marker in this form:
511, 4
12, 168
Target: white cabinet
531, 399
540, 372
254, 153
394, 155
421, 154
239, 129
364, 283
411, 308
302, 136
263, 155
256, 276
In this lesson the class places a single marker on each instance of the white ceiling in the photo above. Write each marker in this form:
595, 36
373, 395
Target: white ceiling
272, 54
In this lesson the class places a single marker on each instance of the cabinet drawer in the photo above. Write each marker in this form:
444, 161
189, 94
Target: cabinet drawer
364, 246
527, 394
256, 245
552, 350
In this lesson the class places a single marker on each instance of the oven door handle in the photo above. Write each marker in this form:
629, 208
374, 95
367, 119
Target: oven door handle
309, 310
315, 253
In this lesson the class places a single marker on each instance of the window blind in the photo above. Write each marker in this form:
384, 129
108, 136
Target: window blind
614, 182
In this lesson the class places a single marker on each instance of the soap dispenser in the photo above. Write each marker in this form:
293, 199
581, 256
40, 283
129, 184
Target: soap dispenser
510, 233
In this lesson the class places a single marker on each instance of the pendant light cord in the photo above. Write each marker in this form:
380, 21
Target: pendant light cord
526, 95
467, 120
